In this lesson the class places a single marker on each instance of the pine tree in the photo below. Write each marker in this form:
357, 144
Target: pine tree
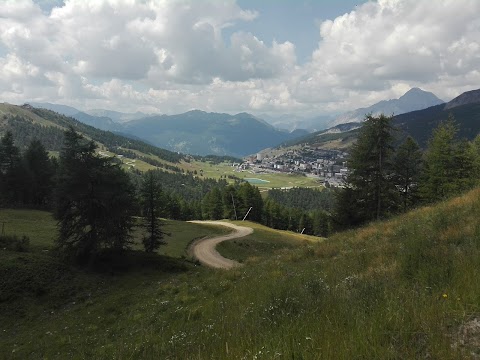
152, 197
250, 197
371, 191
9, 153
94, 200
407, 165
40, 170
448, 164
475, 150
10, 171
305, 224
212, 205
321, 223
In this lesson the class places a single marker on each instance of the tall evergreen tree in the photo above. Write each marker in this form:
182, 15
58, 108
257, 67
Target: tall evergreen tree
407, 166
212, 205
152, 197
249, 196
94, 200
305, 224
321, 223
372, 193
448, 164
475, 150
11, 179
40, 171
9, 153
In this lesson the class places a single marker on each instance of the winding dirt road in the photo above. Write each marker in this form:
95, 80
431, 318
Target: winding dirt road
204, 249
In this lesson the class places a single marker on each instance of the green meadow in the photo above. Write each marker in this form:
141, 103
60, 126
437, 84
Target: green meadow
401, 289
275, 180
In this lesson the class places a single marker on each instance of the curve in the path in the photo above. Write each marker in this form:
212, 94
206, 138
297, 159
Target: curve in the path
204, 249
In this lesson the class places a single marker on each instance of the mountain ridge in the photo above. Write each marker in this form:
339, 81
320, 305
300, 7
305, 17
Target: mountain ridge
468, 97
195, 132
414, 99
202, 133
418, 124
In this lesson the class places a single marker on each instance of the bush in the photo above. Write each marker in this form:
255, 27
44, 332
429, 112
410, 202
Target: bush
14, 243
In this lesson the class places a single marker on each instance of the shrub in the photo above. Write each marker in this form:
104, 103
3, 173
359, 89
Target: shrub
14, 243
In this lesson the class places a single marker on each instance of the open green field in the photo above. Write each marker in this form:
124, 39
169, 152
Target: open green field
282, 180
275, 180
40, 227
401, 289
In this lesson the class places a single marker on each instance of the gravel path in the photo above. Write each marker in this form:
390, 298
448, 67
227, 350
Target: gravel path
204, 250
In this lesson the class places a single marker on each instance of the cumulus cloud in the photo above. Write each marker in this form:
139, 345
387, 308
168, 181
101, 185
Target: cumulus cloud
173, 56
384, 43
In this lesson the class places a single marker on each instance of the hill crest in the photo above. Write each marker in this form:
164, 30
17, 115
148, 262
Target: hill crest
468, 97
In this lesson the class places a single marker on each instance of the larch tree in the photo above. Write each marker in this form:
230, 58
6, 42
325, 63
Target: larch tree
152, 203
40, 170
370, 192
407, 165
212, 205
448, 166
94, 201
10, 170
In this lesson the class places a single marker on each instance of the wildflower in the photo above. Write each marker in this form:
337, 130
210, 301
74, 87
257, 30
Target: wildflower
445, 296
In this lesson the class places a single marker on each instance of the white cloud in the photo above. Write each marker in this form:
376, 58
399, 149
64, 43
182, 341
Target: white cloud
172, 56
420, 43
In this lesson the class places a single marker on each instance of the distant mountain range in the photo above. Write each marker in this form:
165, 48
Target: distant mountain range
194, 132
199, 132
418, 124
116, 116
413, 99
465, 108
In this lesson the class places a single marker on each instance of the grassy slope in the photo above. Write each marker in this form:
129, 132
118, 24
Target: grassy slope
328, 141
40, 227
17, 110
399, 289
264, 242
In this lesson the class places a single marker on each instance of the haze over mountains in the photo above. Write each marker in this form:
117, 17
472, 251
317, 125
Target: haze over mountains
419, 124
292, 122
194, 132
413, 99
202, 133
199, 132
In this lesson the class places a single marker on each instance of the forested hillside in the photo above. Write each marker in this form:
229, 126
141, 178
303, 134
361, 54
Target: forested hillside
199, 132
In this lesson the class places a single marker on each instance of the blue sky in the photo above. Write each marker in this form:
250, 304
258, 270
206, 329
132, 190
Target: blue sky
305, 58
294, 21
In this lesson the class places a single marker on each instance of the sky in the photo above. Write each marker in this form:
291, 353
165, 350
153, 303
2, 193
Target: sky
308, 58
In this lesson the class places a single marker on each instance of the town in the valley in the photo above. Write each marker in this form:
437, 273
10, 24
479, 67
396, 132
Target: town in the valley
328, 165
